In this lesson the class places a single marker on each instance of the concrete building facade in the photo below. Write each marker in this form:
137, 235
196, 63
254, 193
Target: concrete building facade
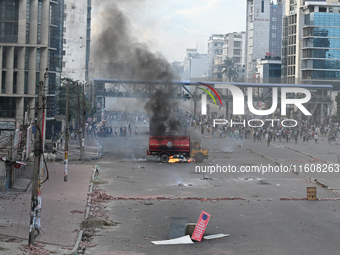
268, 71
195, 65
76, 43
214, 56
264, 32
235, 48
30, 42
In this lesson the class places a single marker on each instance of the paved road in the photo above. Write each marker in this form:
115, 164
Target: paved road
259, 224
314, 160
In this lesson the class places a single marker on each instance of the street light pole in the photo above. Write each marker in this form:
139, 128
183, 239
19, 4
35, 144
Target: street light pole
36, 186
66, 132
83, 143
79, 123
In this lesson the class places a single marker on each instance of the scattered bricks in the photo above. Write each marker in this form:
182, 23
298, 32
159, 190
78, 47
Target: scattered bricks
98, 196
37, 249
78, 211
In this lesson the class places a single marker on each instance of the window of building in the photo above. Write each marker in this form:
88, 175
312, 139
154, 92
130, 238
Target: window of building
63, 64
65, 16
3, 82
262, 6
273, 27
237, 52
64, 41
64, 29
273, 35
38, 59
64, 53
322, 9
237, 44
15, 79
39, 34
65, 6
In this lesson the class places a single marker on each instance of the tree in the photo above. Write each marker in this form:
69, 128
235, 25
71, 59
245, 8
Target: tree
230, 69
337, 100
73, 99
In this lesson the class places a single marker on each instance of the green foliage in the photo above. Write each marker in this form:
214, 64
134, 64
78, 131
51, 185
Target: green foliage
75, 89
337, 100
230, 69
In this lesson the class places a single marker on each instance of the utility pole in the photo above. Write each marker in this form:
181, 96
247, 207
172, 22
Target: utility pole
83, 143
91, 95
38, 150
79, 124
66, 131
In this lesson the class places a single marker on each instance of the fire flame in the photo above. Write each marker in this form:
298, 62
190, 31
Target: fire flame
177, 160
173, 160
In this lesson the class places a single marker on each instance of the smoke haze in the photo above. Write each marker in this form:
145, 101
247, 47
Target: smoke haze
115, 45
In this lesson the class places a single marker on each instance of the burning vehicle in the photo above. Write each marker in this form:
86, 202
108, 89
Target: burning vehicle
174, 147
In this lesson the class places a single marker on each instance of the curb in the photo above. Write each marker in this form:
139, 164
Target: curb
61, 159
80, 234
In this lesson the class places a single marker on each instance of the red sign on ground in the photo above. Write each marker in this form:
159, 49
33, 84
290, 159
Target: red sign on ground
201, 226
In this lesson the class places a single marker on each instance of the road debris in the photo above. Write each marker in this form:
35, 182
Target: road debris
178, 226
37, 249
214, 236
97, 222
180, 240
201, 225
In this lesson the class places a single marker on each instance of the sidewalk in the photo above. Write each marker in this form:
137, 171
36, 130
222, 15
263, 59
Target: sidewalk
93, 151
63, 206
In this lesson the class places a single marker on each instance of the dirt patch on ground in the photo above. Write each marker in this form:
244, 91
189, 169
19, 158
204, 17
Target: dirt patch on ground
99, 181
93, 222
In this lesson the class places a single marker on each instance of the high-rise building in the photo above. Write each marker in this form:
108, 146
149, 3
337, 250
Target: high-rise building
77, 33
264, 32
234, 48
311, 48
30, 42
195, 65
215, 49
312, 41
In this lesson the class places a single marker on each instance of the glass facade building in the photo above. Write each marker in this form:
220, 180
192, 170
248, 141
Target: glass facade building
321, 45
311, 41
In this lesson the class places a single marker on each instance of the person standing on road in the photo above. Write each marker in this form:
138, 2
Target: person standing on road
136, 133
267, 138
304, 137
316, 137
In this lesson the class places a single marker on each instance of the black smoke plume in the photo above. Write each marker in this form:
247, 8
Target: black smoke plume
115, 44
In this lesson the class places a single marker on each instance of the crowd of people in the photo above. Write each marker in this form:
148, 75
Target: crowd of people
269, 131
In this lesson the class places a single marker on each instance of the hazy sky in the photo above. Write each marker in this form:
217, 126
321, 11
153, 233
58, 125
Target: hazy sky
171, 26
